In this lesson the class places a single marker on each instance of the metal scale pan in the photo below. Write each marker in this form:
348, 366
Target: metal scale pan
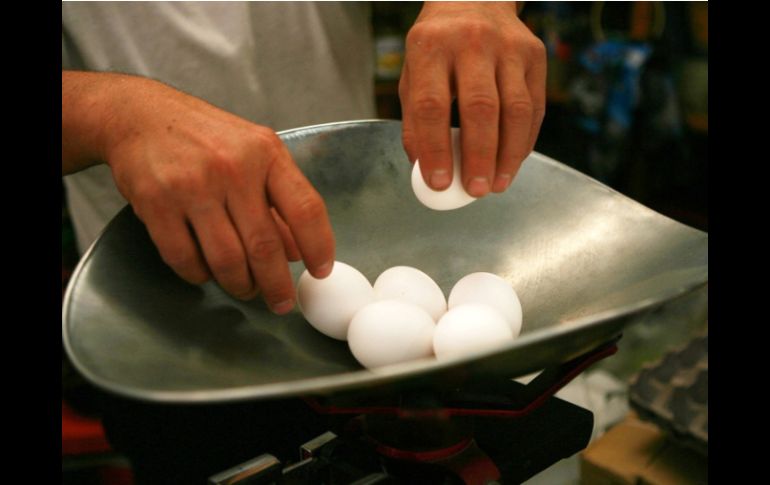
585, 260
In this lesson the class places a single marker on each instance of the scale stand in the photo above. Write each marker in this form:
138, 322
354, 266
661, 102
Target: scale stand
481, 434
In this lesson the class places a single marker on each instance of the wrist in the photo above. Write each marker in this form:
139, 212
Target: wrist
118, 95
90, 103
499, 8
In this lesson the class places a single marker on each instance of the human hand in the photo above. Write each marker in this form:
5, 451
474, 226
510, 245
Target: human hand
481, 53
220, 196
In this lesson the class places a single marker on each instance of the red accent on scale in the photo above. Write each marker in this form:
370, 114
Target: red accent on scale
423, 456
443, 412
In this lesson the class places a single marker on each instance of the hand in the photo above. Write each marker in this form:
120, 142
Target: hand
483, 55
220, 196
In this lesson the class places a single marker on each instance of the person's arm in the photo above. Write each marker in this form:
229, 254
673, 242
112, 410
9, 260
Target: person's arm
220, 196
482, 54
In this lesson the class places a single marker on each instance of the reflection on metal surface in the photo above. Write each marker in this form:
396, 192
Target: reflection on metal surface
585, 260
264, 466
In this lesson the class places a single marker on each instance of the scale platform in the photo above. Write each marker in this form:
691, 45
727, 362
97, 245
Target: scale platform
585, 260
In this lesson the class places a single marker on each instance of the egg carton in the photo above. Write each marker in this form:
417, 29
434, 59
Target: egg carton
673, 393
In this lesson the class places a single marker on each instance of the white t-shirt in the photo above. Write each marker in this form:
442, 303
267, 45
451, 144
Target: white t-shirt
278, 64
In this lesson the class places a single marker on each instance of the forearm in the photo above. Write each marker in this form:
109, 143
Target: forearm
82, 114
90, 101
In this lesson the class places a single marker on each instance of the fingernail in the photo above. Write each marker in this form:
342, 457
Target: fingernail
325, 269
502, 181
478, 187
440, 180
283, 307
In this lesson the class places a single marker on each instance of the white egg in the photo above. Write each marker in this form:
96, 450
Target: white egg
468, 329
329, 304
488, 289
390, 332
411, 285
455, 195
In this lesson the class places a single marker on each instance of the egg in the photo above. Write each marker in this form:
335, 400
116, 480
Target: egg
330, 303
390, 332
492, 290
468, 329
455, 195
411, 285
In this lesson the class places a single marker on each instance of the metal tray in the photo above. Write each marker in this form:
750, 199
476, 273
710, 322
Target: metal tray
585, 260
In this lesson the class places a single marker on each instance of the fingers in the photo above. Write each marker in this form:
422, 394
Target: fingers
408, 136
241, 241
498, 68
176, 245
263, 247
304, 212
289, 245
222, 248
265, 238
516, 124
479, 106
202, 189
536, 80
427, 111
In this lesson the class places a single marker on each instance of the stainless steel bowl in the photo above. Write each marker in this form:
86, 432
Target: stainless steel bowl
585, 260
